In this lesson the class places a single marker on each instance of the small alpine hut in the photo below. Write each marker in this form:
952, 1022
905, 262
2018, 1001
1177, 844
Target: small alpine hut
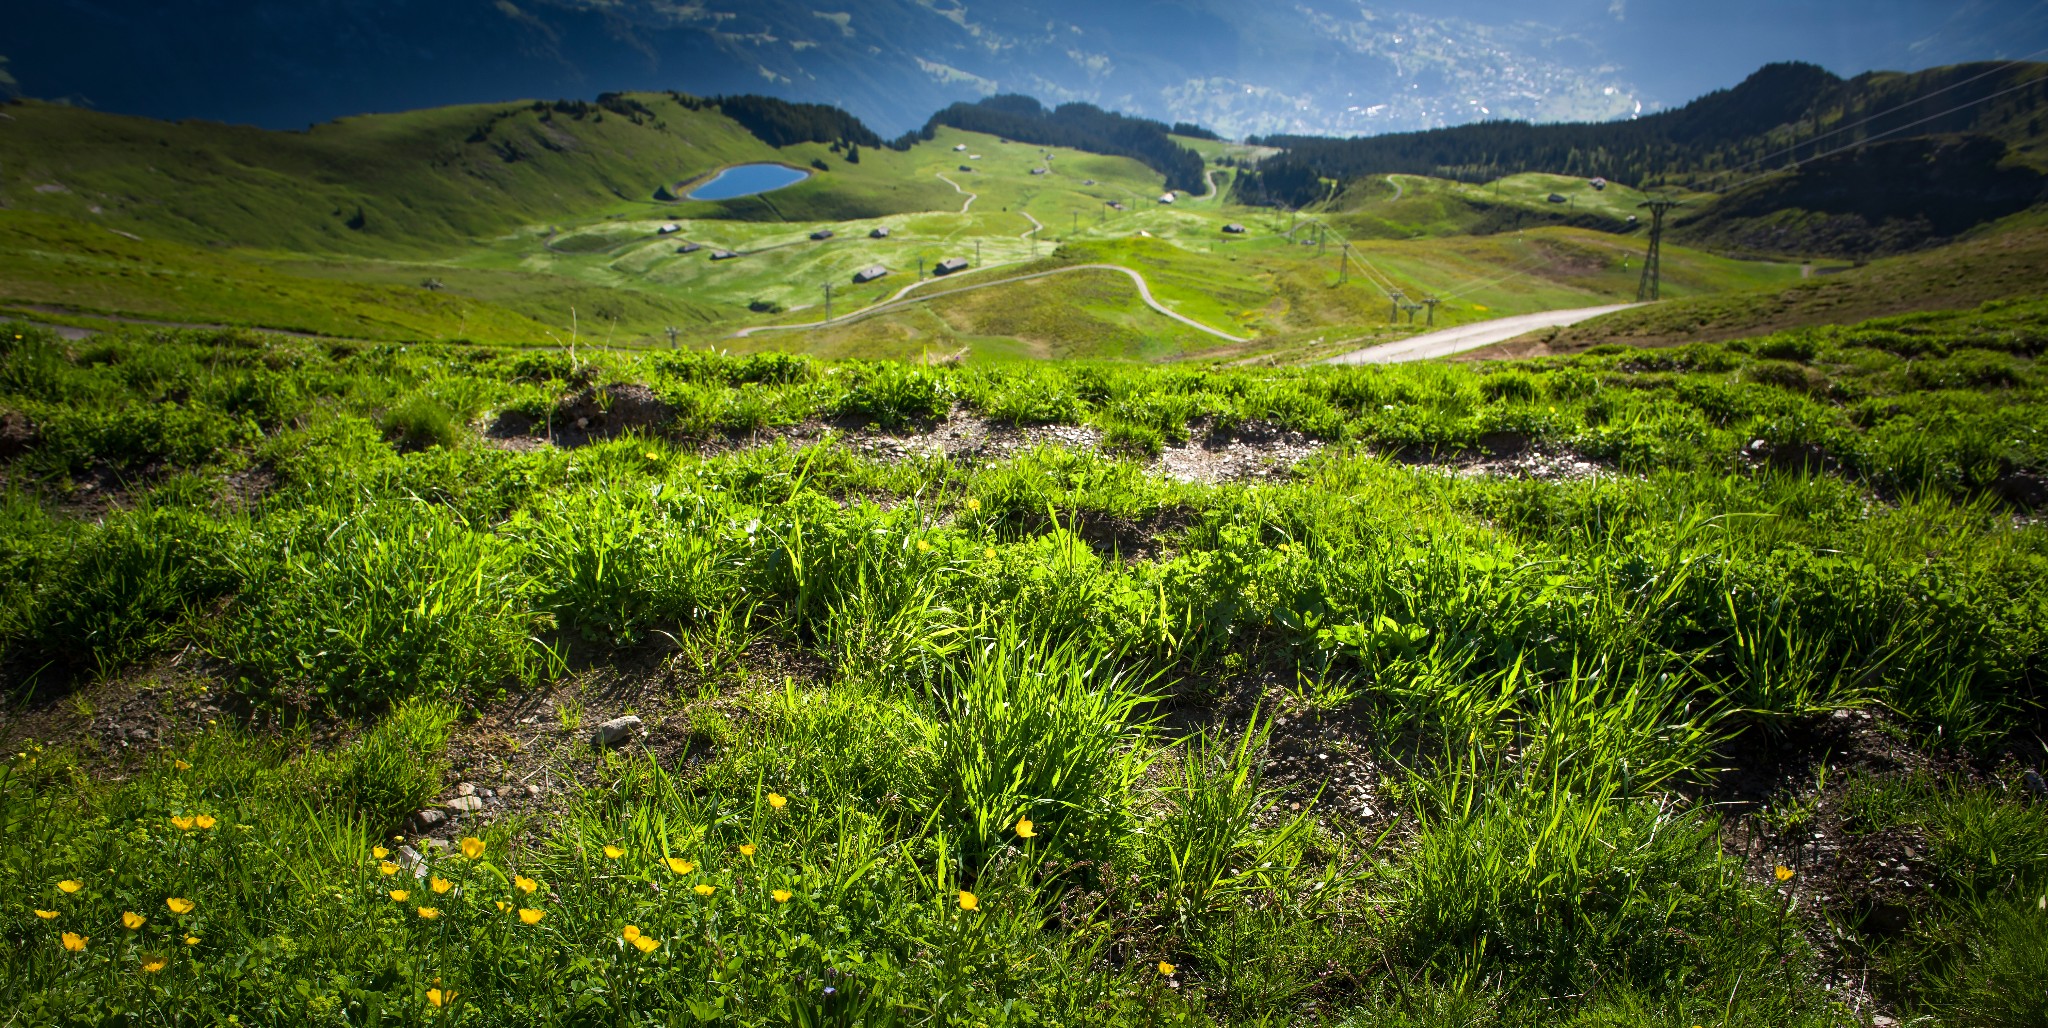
960, 146
1598, 184
879, 233
1038, 171
1234, 229
723, 255
669, 229
869, 274
822, 234
1167, 198
950, 265
689, 247
1557, 198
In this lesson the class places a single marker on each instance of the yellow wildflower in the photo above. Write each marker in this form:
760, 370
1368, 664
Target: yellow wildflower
70, 885
746, 849
439, 998
429, 913
702, 889
1025, 830
379, 852
1784, 873
679, 865
74, 942
645, 944
990, 553
472, 847
529, 915
152, 963
651, 455
503, 907
777, 800
629, 933
1166, 968
613, 852
181, 765
439, 884
923, 547
387, 869
191, 940
524, 884
781, 895
969, 901
973, 504
132, 920
47, 915
400, 895
179, 905
183, 824
205, 821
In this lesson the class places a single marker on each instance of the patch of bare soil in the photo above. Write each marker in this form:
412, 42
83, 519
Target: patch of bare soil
118, 722
1509, 455
1254, 451
590, 415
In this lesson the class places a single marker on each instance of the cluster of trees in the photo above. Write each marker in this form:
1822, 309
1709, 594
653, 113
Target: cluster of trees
1194, 131
1783, 114
782, 123
1080, 127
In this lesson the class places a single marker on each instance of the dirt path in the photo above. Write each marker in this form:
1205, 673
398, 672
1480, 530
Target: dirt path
971, 197
1396, 183
1035, 226
898, 302
1444, 342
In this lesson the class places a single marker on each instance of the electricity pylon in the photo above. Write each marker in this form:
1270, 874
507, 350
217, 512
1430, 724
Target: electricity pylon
1647, 289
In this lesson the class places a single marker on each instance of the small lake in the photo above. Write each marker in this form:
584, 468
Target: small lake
746, 180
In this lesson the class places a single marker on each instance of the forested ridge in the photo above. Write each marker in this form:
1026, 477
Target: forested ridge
1081, 127
1782, 114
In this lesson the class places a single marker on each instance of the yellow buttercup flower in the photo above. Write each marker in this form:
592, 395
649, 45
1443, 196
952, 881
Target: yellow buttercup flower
70, 885
74, 942
746, 849
180, 905
777, 800
132, 920
923, 547
439, 998
472, 847
400, 895
191, 940
529, 915
1784, 873
781, 895
439, 884
990, 553
524, 884
181, 765
702, 889
613, 852
429, 913
645, 944
47, 915
379, 852
679, 865
969, 901
1166, 968
387, 869
629, 933
651, 455
1025, 830
973, 504
183, 824
503, 907
152, 964
205, 821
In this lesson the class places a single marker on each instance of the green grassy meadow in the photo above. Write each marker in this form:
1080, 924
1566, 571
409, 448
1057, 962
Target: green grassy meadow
1697, 685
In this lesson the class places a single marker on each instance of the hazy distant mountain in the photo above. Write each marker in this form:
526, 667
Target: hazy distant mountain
1296, 66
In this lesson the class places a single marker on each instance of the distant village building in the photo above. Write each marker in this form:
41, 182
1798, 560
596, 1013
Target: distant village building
880, 233
1115, 206
669, 229
974, 157
960, 146
823, 233
1038, 171
1234, 229
689, 247
1087, 181
950, 265
1598, 183
1557, 198
723, 255
869, 274
965, 168
1166, 198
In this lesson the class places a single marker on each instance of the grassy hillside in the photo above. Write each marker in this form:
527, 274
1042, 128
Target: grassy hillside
1693, 686
2001, 265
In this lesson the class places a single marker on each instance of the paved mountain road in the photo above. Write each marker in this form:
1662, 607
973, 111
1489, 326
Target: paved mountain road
1444, 342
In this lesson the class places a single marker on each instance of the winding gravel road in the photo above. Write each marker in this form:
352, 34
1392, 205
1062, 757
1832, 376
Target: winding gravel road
971, 197
898, 302
1444, 342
